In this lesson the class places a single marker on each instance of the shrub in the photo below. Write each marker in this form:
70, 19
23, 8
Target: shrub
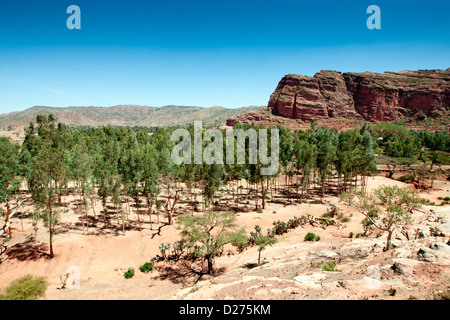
311, 237
129, 273
146, 267
254, 234
194, 252
280, 227
259, 211
342, 218
240, 241
178, 249
26, 288
163, 248
331, 213
295, 222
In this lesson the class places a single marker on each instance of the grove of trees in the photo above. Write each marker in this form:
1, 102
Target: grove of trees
130, 171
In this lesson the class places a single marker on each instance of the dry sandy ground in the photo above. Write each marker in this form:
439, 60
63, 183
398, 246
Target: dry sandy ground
104, 256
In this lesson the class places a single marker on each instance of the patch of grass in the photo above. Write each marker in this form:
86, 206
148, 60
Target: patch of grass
326, 266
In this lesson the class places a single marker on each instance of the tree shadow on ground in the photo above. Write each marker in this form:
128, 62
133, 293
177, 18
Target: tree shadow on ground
186, 272
28, 251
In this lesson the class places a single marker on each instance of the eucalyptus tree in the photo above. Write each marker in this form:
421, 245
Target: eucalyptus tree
46, 167
168, 171
149, 176
10, 180
106, 169
212, 179
80, 165
305, 159
286, 153
325, 141
130, 167
348, 156
47, 172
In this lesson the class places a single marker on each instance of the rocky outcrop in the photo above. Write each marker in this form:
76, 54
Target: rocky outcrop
369, 96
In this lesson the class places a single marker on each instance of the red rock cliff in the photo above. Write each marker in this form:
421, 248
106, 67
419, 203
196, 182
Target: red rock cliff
370, 96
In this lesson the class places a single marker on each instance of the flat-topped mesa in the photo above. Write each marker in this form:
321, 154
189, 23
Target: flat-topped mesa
370, 96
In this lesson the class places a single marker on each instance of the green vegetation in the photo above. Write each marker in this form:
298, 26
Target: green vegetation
326, 266
129, 171
262, 242
129, 273
211, 232
386, 208
25, 288
146, 267
311, 237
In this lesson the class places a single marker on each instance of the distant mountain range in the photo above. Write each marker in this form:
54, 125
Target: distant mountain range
124, 115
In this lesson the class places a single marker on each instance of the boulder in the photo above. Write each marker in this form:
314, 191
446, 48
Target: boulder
438, 252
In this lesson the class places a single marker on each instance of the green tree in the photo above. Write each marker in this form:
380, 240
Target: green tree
325, 141
47, 173
79, 163
305, 159
149, 177
210, 231
386, 208
45, 169
212, 179
9, 180
262, 242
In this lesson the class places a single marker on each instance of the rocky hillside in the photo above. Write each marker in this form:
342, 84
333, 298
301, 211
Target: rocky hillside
124, 115
344, 269
367, 96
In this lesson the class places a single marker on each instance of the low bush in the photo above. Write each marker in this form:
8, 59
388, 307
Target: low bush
129, 273
25, 288
311, 237
146, 267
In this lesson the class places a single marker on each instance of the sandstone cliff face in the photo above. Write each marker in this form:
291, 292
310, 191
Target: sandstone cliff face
369, 96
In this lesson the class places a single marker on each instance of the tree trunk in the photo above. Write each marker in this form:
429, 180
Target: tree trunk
388, 243
149, 211
138, 215
323, 187
50, 231
210, 265
262, 194
8, 213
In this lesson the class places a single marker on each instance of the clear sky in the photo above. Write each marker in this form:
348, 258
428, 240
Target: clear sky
230, 53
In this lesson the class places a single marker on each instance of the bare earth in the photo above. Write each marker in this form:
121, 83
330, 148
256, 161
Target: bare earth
291, 272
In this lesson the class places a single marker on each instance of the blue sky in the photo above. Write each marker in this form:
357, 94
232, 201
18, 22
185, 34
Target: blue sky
203, 53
